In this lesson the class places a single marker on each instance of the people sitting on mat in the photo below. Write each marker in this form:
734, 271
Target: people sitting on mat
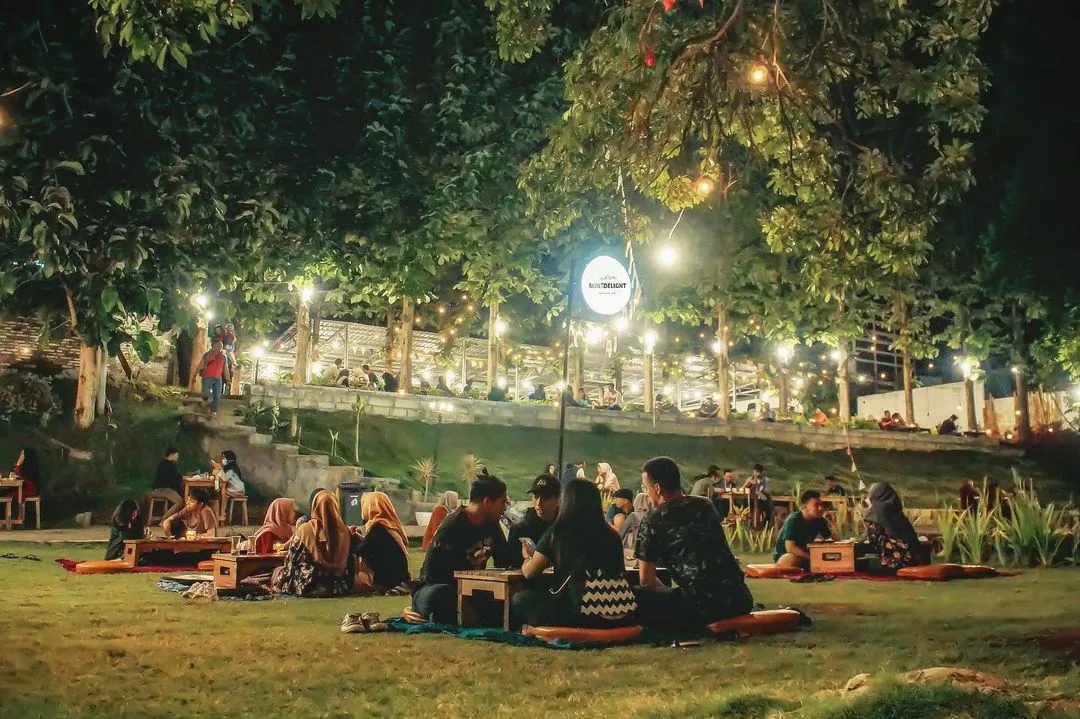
318, 558
683, 534
277, 528
622, 506
606, 481
833, 488
168, 481
227, 476
28, 469
583, 552
467, 538
126, 524
969, 496
891, 542
801, 528
446, 503
384, 546
195, 516
545, 492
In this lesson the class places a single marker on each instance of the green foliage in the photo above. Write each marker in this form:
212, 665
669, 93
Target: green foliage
264, 418
26, 399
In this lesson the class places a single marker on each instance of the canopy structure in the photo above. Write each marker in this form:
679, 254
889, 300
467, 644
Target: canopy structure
465, 360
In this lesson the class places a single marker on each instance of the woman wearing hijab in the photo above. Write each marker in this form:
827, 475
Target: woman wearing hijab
310, 503
606, 481
318, 560
384, 546
126, 524
277, 526
892, 542
448, 502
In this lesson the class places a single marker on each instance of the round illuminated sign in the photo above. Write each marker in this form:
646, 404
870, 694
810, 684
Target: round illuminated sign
605, 285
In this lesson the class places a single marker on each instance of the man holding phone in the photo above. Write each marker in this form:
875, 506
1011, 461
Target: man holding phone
524, 535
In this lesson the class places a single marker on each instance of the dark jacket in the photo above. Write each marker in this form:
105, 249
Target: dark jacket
530, 526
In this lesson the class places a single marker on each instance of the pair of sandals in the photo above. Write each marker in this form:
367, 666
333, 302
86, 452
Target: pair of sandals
365, 623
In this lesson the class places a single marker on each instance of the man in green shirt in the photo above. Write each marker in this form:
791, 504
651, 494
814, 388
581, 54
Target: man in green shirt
801, 528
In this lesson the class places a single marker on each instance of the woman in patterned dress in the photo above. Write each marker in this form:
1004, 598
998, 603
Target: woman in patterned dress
891, 542
318, 560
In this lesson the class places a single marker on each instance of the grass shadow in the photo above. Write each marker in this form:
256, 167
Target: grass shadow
743, 706
907, 701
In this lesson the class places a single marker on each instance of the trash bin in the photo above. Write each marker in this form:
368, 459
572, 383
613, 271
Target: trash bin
349, 493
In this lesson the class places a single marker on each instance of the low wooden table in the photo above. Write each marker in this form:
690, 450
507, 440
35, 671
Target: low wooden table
832, 557
503, 584
231, 569
135, 547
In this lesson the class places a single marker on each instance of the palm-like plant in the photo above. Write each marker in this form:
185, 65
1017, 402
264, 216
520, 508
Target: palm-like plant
426, 472
948, 527
470, 469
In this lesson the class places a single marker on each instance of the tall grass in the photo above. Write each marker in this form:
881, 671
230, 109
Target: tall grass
1023, 533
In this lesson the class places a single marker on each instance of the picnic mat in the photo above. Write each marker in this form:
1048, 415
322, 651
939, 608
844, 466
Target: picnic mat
501, 636
169, 585
799, 576
70, 564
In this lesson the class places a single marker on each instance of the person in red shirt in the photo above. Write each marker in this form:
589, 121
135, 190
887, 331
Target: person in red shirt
276, 527
212, 370
28, 469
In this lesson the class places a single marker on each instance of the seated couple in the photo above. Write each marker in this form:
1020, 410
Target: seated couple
324, 558
891, 542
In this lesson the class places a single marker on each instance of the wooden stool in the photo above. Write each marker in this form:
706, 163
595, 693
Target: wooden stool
5, 502
232, 502
150, 519
36, 501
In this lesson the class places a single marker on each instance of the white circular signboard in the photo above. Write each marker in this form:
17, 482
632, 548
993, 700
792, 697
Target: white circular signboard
605, 285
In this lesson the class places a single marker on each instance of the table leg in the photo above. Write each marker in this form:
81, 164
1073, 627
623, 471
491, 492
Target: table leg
460, 608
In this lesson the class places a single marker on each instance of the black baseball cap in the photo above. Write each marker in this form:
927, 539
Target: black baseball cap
546, 485
626, 494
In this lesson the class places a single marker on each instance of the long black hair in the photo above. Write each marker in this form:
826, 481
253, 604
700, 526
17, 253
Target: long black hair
31, 465
230, 463
580, 524
127, 516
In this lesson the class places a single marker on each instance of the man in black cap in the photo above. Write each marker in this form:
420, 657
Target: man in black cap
545, 492
621, 508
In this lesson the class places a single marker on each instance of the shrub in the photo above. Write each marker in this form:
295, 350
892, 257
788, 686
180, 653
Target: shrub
27, 399
601, 428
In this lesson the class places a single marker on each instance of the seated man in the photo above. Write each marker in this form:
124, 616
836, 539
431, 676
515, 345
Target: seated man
801, 528
833, 488
465, 540
767, 414
537, 520
330, 374
622, 506
538, 394
684, 534
705, 485
886, 421
948, 426
664, 405
709, 409
758, 487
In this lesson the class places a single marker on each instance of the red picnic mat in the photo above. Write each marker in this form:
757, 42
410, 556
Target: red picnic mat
799, 575
70, 564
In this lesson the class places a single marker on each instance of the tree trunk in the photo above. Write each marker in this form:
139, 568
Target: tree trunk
782, 399
909, 389
723, 362
303, 342
198, 349
408, 319
316, 334
87, 388
103, 380
843, 389
969, 405
579, 367
1021, 410
617, 374
391, 340
126, 366
647, 382
183, 347
492, 345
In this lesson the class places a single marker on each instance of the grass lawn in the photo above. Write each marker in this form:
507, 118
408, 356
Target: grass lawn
390, 447
116, 646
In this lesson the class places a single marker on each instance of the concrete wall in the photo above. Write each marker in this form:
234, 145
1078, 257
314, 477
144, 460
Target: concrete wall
463, 411
932, 404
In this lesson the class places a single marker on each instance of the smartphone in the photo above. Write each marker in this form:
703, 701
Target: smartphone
528, 543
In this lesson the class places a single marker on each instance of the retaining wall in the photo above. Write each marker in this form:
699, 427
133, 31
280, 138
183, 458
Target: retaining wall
467, 411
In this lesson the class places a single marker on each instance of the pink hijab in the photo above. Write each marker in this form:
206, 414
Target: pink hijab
606, 480
279, 520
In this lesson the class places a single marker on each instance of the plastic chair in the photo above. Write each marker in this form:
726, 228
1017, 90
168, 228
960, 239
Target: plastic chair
150, 518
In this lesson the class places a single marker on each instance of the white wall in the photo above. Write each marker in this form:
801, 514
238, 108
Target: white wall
932, 404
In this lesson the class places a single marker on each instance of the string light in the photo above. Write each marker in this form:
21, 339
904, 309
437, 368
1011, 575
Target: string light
758, 74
